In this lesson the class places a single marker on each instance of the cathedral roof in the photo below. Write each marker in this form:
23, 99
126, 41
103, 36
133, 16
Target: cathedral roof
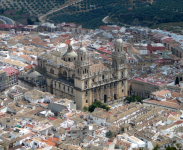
97, 67
32, 73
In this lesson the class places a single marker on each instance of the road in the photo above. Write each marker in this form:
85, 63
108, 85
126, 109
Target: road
64, 6
105, 19
6, 20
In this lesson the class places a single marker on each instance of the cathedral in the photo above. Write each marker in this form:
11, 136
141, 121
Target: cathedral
75, 77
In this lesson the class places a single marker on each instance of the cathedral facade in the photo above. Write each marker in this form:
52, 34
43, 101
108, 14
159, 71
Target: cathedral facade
75, 77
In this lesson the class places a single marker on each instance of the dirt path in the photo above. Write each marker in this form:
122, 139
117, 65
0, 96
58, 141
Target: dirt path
42, 18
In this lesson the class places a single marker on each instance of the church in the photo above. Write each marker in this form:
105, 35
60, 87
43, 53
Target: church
75, 77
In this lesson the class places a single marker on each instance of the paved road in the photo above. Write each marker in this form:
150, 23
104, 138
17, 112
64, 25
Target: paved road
6, 20
63, 6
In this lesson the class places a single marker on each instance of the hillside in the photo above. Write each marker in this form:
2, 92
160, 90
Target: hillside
90, 13
20, 10
160, 12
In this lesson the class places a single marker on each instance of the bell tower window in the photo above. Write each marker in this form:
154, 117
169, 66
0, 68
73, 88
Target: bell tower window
51, 71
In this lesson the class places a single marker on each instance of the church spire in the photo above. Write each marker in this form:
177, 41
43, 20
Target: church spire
81, 45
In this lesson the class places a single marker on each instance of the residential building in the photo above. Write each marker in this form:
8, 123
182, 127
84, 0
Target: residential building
12, 76
3, 80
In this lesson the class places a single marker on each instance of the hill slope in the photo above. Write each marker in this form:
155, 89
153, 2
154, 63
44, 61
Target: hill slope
90, 13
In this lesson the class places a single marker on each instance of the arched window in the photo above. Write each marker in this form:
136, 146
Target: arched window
65, 73
51, 71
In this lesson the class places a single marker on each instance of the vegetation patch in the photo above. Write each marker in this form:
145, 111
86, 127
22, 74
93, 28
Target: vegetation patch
94, 105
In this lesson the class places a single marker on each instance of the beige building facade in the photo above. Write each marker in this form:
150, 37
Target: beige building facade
75, 77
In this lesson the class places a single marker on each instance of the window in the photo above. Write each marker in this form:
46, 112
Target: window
85, 70
114, 84
86, 101
122, 82
94, 90
86, 82
102, 76
81, 58
51, 71
69, 59
104, 87
86, 92
98, 89
122, 73
93, 80
78, 71
122, 91
110, 85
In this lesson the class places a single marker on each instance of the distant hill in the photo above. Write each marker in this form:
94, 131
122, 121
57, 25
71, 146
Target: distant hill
21, 10
162, 11
147, 13
90, 13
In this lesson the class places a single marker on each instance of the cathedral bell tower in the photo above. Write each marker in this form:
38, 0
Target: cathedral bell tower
119, 55
82, 65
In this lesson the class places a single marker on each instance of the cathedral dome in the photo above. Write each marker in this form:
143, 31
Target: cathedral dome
82, 49
119, 41
32, 73
70, 53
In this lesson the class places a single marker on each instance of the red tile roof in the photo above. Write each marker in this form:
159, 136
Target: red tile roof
28, 125
109, 28
108, 143
10, 71
51, 118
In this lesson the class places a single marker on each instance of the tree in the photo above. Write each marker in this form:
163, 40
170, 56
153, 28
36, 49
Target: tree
134, 98
176, 81
29, 21
109, 134
85, 109
170, 148
156, 147
96, 104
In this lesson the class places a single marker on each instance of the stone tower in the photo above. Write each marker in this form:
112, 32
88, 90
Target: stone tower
119, 55
82, 65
